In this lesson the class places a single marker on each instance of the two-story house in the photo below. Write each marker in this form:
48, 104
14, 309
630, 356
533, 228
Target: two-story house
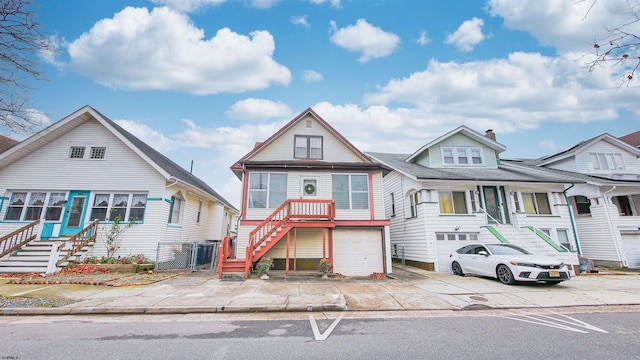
309, 194
455, 190
606, 202
80, 173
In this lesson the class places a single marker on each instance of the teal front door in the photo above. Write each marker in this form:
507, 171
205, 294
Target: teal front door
74, 212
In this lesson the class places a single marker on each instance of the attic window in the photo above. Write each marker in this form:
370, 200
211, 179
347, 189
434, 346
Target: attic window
98, 152
308, 147
308, 123
462, 156
77, 152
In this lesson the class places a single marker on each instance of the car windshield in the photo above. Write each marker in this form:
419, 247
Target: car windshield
504, 249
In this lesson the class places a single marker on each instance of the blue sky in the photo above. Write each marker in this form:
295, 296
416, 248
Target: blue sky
204, 80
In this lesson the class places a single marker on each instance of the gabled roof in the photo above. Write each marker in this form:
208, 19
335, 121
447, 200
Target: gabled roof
625, 180
162, 164
572, 150
460, 130
633, 139
501, 174
6, 143
237, 167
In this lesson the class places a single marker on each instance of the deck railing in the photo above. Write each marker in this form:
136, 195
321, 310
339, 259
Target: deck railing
18, 238
292, 209
80, 240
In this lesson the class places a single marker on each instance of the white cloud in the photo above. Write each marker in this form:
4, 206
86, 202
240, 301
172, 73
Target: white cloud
145, 133
370, 41
258, 109
567, 25
334, 3
162, 50
300, 20
189, 5
468, 35
311, 76
423, 39
263, 4
548, 144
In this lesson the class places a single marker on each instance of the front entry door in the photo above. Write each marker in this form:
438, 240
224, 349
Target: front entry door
74, 212
492, 204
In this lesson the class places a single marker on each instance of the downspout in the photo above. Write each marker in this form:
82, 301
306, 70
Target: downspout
573, 223
613, 235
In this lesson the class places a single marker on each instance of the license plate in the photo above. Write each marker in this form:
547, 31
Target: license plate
554, 273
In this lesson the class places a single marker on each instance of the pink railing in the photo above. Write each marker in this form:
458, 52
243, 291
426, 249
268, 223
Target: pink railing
292, 209
18, 238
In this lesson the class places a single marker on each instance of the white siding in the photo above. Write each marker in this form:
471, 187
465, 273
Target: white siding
597, 240
282, 148
566, 165
585, 165
307, 244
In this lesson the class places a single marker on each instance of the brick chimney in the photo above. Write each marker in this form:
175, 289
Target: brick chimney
490, 134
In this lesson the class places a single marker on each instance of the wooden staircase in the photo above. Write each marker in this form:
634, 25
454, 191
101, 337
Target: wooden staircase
43, 256
292, 213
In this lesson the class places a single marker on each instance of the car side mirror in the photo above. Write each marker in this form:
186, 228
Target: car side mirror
483, 253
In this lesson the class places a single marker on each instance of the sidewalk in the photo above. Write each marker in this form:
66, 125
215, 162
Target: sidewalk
409, 289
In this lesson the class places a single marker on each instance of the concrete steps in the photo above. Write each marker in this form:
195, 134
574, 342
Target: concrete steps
33, 257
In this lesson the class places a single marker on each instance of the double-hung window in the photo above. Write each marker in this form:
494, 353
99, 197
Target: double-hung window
30, 206
452, 202
121, 206
607, 161
414, 200
176, 208
267, 190
308, 147
583, 205
462, 156
350, 191
536, 203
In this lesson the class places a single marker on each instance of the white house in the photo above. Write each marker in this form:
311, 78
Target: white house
86, 167
455, 190
309, 194
606, 199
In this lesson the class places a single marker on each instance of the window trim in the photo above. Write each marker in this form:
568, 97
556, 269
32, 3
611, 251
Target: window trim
393, 204
268, 191
44, 209
175, 215
414, 201
351, 191
455, 155
452, 199
607, 161
109, 209
308, 147
535, 203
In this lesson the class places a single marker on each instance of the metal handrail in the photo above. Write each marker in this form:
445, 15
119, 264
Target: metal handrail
18, 238
501, 226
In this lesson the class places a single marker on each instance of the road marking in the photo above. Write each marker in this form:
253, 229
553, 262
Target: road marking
556, 322
316, 332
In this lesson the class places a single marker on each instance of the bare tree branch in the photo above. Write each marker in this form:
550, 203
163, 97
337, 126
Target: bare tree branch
20, 43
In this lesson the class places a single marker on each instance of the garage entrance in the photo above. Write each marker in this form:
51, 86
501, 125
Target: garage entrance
357, 252
631, 244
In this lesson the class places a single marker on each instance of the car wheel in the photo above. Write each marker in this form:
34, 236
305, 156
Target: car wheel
505, 275
553, 282
457, 269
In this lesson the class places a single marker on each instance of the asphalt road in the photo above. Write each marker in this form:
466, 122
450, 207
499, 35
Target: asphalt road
521, 334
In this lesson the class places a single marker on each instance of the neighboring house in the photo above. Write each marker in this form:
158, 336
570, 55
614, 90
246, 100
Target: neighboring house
308, 194
6, 143
455, 190
86, 167
633, 139
606, 202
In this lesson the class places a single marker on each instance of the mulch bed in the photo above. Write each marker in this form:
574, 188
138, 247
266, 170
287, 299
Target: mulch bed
90, 276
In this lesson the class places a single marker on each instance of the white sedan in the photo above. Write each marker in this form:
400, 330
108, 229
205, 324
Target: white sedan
508, 263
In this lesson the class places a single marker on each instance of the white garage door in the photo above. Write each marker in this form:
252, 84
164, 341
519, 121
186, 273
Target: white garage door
632, 248
357, 252
448, 243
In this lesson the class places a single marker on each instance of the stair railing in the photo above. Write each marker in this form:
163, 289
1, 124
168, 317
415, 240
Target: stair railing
18, 238
79, 241
224, 251
511, 236
291, 209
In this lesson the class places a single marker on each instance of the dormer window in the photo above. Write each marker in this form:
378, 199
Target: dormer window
308, 147
462, 156
607, 161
